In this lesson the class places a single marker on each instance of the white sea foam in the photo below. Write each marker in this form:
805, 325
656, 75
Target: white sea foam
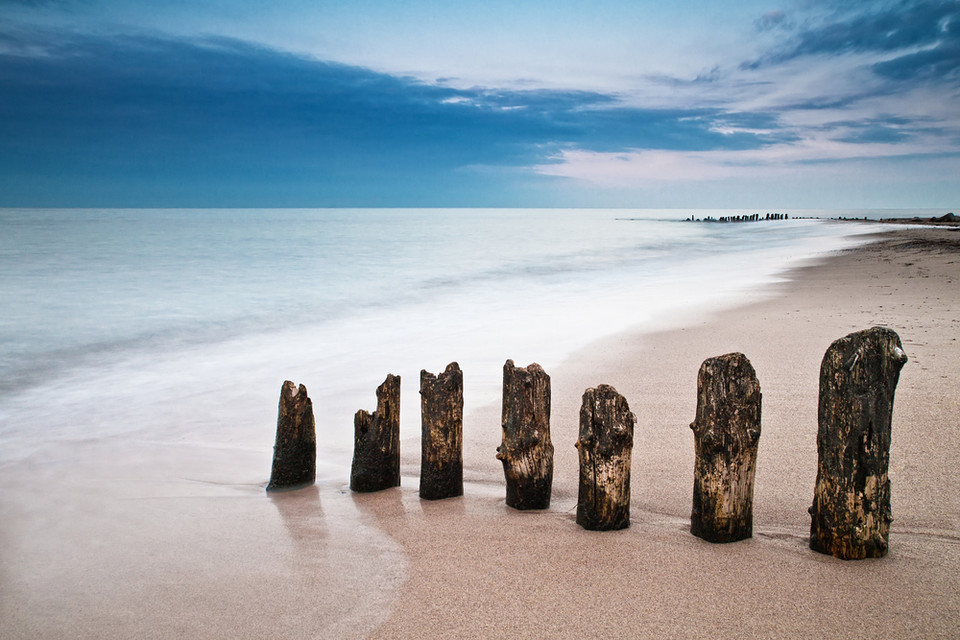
180, 326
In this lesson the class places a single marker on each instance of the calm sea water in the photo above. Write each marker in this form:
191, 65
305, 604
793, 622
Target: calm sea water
182, 325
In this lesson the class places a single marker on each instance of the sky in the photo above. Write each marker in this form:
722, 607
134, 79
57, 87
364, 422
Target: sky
368, 103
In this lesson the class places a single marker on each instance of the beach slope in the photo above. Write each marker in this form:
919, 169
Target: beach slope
122, 537
479, 569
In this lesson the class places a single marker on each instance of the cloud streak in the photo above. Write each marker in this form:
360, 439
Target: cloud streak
925, 35
652, 167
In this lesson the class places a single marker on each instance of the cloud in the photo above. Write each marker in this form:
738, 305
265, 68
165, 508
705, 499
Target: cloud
889, 130
940, 62
892, 27
649, 168
862, 73
221, 112
172, 116
809, 146
129, 119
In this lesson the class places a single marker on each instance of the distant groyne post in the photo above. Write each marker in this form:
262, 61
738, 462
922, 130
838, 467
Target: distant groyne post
376, 441
605, 447
441, 411
850, 516
295, 448
726, 435
526, 450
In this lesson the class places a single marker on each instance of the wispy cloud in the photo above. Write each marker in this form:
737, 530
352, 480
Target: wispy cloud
884, 28
843, 86
939, 62
814, 173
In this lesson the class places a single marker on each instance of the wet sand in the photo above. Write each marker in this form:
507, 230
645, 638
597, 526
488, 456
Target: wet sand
121, 539
479, 569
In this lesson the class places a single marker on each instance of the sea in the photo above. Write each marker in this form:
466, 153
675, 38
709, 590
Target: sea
181, 325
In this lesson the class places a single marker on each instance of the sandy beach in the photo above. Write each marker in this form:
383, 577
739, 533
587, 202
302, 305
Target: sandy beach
113, 539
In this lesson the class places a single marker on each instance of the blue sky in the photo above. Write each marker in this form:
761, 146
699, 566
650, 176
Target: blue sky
779, 104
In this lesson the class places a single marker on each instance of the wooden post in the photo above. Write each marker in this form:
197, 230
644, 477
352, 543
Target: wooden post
526, 450
850, 516
376, 441
295, 448
605, 446
726, 435
441, 411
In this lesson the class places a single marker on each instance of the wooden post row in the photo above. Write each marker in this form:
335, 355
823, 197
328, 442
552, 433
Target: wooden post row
850, 516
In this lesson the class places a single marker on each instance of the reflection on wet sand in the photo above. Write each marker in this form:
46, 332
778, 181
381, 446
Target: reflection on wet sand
302, 515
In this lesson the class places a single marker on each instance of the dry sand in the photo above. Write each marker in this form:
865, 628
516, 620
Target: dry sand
103, 541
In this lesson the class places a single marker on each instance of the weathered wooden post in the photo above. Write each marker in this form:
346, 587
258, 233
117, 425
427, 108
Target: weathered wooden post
726, 434
851, 503
605, 446
376, 441
441, 415
526, 450
295, 448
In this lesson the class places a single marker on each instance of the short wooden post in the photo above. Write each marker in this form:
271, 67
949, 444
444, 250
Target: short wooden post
376, 441
441, 411
726, 435
850, 516
526, 450
295, 448
605, 446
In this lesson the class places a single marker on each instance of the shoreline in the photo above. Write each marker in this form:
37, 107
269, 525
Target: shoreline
147, 550
479, 569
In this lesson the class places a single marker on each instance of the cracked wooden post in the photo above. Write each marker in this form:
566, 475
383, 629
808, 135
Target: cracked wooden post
526, 450
295, 448
441, 411
726, 434
605, 445
850, 516
376, 441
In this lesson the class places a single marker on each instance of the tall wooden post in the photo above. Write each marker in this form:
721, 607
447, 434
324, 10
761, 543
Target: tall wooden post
441, 411
295, 448
726, 435
605, 445
850, 516
526, 450
376, 441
